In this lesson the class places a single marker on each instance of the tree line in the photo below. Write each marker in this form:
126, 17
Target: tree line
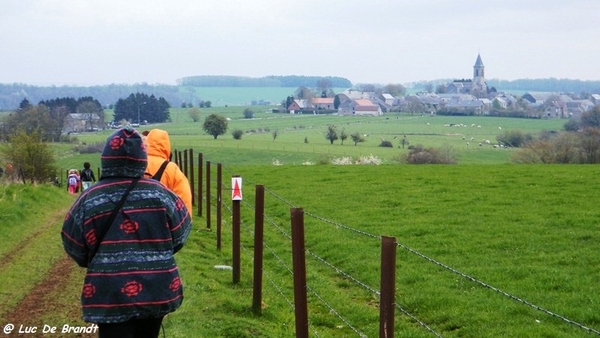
12, 94
267, 81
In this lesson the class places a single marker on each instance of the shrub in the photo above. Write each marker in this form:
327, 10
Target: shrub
514, 138
369, 160
92, 148
420, 155
237, 134
386, 144
568, 147
342, 160
248, 113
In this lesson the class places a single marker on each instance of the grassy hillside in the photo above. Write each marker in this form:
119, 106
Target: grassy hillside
485, 248
481, 249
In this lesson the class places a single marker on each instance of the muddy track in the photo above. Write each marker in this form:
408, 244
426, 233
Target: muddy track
41, 300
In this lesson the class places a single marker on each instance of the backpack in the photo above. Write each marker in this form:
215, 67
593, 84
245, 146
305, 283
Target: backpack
72, 180
86, 175
158, 175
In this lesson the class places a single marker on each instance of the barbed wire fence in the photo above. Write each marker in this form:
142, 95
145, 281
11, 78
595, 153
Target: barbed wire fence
281, 290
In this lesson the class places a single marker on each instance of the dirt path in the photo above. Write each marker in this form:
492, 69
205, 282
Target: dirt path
44, 300
56, 217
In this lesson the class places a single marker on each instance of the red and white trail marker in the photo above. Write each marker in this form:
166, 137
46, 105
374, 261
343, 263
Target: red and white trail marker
236, 192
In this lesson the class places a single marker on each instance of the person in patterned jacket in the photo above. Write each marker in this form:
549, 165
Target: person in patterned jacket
132, 280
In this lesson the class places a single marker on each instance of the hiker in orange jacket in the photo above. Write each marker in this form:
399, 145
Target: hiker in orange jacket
159, 151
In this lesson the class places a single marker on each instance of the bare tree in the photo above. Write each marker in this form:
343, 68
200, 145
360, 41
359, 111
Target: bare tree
357, 137
343, 136
331, 134
91, 114
194, 114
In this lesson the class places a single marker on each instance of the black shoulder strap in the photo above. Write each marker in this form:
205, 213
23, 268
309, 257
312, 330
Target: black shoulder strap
100, 235
160, 171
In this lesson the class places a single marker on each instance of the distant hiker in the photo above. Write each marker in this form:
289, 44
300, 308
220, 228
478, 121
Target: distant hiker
87, 176
125, 230
161, 169
73, 181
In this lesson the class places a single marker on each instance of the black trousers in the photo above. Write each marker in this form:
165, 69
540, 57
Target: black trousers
135, 328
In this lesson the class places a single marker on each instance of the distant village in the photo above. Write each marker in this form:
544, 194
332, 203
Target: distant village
459, 97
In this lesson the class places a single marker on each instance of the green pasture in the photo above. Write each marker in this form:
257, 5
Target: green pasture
301, 138
527, 234
529, 231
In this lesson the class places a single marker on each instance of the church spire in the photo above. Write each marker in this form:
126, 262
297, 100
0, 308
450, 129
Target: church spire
478, 68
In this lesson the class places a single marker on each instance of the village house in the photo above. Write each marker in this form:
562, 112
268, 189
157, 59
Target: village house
323, 103
76, 123
359, 107
297, 106
460, 96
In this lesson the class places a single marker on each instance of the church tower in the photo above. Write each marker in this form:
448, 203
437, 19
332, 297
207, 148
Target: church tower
478, 68
479, 87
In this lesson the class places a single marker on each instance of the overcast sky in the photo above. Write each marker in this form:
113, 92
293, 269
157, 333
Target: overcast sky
96, 42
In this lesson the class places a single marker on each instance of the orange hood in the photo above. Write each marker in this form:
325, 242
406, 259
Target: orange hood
158, 144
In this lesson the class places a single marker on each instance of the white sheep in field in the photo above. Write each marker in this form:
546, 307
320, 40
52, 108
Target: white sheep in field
487, 141
472, 139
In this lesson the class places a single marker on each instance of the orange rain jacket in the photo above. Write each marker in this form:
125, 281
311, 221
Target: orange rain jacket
159, 150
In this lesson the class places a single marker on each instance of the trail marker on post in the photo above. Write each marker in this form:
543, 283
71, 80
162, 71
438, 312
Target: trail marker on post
236, 191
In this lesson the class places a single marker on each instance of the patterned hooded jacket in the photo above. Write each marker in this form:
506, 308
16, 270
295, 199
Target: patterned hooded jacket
131, 271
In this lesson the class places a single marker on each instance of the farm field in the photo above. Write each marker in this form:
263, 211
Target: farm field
485, 248
527, 234
301, 138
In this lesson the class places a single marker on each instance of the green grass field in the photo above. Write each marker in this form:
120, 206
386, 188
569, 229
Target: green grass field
301, 138
485, 248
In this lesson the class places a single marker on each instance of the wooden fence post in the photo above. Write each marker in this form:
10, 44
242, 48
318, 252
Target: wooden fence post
387, 287
191, 177
236, 203
208, 194
299, 258
200, 162
219, 203
259, 217
185, 163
